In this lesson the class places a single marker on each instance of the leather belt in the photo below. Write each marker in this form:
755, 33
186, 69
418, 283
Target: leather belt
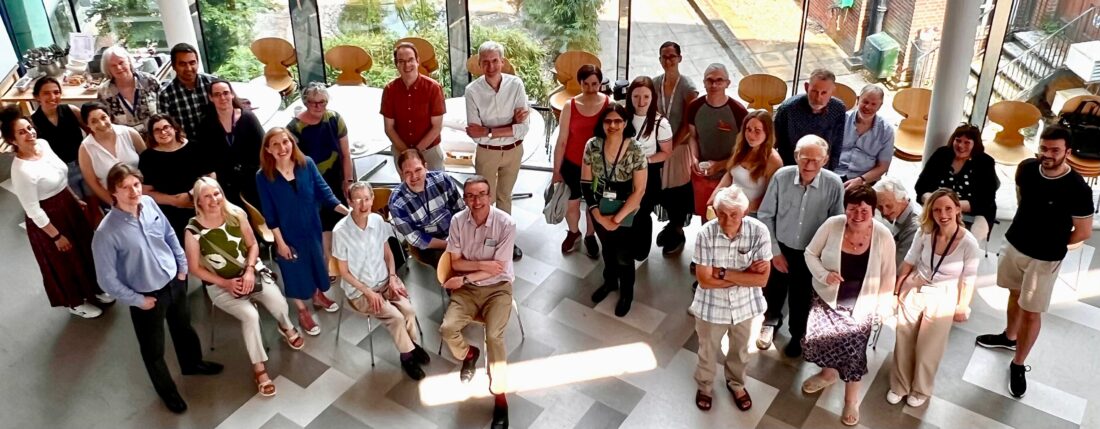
518, 143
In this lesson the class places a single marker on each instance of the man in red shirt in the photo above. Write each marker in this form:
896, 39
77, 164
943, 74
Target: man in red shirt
413, 108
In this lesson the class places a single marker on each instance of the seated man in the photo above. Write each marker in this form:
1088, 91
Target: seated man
422, 206
868, 144
369, 276
733, 255
480, 250
901, 214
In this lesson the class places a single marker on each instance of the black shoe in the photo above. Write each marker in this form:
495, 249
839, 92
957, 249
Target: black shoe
991, 341
623, 306
516, 253
469, 365
500, 417
204, 368
591, 247
175, 404
602, 293
412, 369
420, 356
793, 349
674, 243
1017, 383
662, 237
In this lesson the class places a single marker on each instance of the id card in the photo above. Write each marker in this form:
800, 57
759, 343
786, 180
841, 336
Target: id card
489, 242
610, 195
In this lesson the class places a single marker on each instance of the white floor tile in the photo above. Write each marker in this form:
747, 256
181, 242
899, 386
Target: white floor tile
989, 370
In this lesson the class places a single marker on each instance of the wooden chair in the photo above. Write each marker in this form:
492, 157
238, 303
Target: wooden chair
351, 61
762, 91
259, 224
276, 54
1072, 104
1007, 146
425, 51
913, 104
565, 71
474, 67
443, 272
846, 94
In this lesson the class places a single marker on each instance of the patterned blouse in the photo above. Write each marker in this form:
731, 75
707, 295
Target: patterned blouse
229, 239
630, 159
133, 113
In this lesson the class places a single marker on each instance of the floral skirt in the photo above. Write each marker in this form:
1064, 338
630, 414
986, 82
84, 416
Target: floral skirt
835, 340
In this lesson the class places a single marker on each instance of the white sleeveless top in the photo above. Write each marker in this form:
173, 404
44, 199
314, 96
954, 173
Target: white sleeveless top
102, 161
753, 189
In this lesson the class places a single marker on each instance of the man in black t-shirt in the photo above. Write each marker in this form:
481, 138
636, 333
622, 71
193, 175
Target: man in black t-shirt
1055, 210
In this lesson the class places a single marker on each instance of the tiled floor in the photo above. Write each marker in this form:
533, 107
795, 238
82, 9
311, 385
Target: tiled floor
577, 367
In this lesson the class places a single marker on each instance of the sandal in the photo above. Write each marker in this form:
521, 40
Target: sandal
816, 384
293, 339
267, 387
743, 402
703, 401
850, 416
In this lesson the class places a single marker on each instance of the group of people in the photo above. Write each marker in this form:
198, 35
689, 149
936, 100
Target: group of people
792, 201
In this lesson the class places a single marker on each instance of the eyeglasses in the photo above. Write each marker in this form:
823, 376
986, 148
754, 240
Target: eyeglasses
811, 159
613, 121
360, 200
318, 103
714, 81
164, 129
403, 62
474, 196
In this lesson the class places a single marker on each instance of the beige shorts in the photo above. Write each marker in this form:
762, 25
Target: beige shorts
1033, 278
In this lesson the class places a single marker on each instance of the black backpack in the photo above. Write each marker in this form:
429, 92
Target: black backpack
1083, 124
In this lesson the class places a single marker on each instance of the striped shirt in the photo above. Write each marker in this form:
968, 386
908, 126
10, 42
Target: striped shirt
714, 249
186, 105
420, 217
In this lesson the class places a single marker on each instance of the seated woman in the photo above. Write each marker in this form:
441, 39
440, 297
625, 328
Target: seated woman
171, 166
851, 259
107, 145
754, 159
222, 251
60, 236
933, 289
964, 167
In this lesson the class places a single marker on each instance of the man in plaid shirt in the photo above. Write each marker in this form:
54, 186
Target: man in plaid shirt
733, 259
421, 208
185, 97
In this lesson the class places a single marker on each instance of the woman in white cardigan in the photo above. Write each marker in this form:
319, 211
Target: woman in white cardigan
851, 259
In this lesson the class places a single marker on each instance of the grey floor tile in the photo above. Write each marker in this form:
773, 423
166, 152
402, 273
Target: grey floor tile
280, 422
600, 416
334, 417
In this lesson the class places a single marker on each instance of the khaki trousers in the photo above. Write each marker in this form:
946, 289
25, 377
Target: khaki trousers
710, 347
397, 315
501, 169
489, 304
433, 158
242, 309
924, 322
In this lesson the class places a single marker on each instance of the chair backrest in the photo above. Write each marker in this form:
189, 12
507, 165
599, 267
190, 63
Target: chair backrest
846, 94
425, 51
762, 91
1013, 116
276, 54
351, 61
443, 269
1072, 104
913, 105
258, 222
474, 66
566, 66
382, 201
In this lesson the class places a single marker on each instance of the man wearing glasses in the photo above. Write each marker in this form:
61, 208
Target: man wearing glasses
413, 108
480, 250
815, 112
798, 200
422, 206
713, 122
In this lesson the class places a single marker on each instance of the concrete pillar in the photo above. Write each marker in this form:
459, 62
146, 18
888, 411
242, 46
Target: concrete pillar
178, 27
960, 27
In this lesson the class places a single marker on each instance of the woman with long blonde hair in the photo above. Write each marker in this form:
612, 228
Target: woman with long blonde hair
754, 159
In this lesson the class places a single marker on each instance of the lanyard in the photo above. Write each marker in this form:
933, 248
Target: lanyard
935, 266
231, 136
667, 103
609, 173
131, 107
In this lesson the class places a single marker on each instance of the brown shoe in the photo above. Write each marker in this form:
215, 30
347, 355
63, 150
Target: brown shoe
571, 243
322, 302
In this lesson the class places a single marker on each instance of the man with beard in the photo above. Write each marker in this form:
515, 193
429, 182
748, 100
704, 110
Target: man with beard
815, 112
413, 108
1055, 210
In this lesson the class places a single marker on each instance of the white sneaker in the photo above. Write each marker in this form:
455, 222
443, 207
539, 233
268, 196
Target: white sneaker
86, 311
764, 342
104, 298
893, 398
914, 401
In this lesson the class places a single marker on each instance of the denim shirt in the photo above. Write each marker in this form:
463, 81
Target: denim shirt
859, 153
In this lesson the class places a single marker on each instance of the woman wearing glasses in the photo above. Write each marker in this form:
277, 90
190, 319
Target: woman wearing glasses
171, 166
964, 167
236, 134
613, 180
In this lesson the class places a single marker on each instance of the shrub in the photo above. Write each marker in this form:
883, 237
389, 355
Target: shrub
526, 54
564, 24
227, 24
361, 16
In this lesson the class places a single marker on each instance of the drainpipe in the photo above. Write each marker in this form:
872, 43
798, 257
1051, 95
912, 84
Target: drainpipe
879, 17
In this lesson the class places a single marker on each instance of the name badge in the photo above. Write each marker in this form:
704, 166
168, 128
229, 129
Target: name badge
489, 242
610, 195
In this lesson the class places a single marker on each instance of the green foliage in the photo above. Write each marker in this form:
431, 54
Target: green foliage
526, 55
227, 25
564, 25
419, 16
240, 65
361, 16
112, 19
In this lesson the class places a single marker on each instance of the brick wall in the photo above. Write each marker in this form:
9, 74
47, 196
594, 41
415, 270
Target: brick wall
845, 26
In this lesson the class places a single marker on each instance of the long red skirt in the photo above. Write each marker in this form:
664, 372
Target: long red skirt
69, 277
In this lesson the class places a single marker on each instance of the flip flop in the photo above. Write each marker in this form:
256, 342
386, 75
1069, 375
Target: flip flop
743, 402
815, 384
703, 401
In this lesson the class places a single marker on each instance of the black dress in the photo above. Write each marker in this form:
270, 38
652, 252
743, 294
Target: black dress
976, 182
237, 154
175, 173
65, 137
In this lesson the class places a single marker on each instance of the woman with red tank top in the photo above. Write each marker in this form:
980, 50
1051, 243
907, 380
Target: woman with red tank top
576, 126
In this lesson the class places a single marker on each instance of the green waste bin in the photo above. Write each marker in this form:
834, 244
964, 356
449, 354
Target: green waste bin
880, 55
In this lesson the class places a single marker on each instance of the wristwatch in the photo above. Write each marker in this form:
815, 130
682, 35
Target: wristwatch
465, 280
722, 273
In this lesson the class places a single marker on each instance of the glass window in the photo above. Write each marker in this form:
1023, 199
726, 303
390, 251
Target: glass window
62, 23
228, 29
134, 24
29, 24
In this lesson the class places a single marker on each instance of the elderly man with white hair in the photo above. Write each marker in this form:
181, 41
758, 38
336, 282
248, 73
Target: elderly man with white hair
130, 94
901, 214
798, 200
496, 119
868, 144
733, 254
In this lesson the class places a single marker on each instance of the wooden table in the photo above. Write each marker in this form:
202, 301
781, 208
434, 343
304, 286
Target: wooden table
75, 95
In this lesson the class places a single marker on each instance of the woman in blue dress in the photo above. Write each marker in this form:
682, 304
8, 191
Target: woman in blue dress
291, 194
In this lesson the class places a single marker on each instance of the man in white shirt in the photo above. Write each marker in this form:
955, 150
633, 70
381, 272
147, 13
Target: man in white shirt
369, 278
496, 118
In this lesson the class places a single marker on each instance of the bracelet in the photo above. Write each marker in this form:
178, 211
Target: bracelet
56, 238
862, 180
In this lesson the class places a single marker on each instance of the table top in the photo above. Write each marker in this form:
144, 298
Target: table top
265, 101
75, 94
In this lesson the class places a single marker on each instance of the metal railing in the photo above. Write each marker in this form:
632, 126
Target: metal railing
1018, 78
924, 65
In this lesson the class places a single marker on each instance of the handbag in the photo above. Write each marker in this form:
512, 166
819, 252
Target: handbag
1083, 124
609, 206
264, 274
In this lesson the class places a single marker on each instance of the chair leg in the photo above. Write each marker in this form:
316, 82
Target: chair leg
420, 330
522, 333
340, 319
443, 304
210, 317
370, 340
